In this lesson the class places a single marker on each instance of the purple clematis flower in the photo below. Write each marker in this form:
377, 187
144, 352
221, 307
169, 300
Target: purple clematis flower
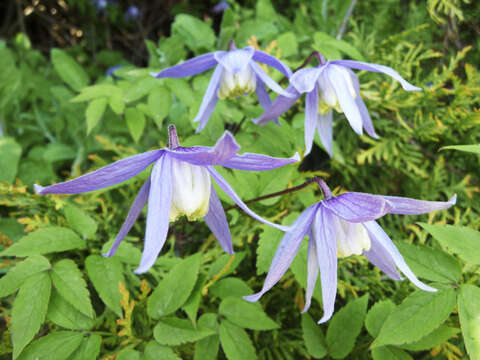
331, 85
180, 184
341, 226
236, 73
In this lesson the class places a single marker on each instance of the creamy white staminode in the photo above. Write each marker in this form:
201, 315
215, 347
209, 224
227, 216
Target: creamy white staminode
327, 96
233, 85
191, 191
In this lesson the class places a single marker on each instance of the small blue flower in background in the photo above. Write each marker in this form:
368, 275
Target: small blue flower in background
111, 70
236, 73
220, 7
340, 226
132, 13
101, 5
179, 184
331, 85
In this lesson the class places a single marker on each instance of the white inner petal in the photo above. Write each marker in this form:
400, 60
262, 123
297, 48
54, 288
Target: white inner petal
351, 238
191, 190
328, 98
233, 85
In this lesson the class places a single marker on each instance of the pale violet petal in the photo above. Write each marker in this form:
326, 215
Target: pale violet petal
279, 106
258, 162
325, 130
262, 94
311, 111
312, 272
407, 206
190, 67
209, 99
267, 80
217, 222
235, 60
381, 258
304, 80
265, 58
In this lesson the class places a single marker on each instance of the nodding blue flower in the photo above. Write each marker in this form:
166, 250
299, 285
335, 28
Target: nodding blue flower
341, 226
111, 70
236, 73
179, 184
330, 85
133, 13
101, 5
220, 7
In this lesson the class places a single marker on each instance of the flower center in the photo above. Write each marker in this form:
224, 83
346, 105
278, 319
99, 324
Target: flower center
328, 98
191, 191
352, 238
233, 85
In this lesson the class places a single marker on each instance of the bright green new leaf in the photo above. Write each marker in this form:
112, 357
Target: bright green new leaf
106, 274
207, 348
155, 351
390, 353
175, 288
69, 70
69, 282
235, 342
56, 346
435, 338
175, 331
469, 312
463, 241
231, 287
29, 310
418, 315
193, 302
80, 221
21, 272
62, 313
196, 33
140, 88
159, 102
245, 314
44, 241
135, 122
10, 152
468, 148
88, 349
345, 326
95, 110
287, 43
182, 90
377, 315
313, 337
95, 92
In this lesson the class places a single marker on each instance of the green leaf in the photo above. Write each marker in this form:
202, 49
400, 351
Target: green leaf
159, 102
136, 122
207, 348
193, 302
330, 46
468, 148
106, 274
62, 313
95, 92
463, 241
418, 315
56, 346
345, 326
29, 310
10, 152
469, 312
245, 314
222, 261
95, 110
390, 353
431, 264
155, 351
235, 342
69, 282
313, 337
21, 272
89, 348
287, 43
58, 152
435, 338
265, 10
44, 241
128, 354
126, 252
231, 287
140, 88
175, 288
196, 33
182, 90
69, 70
80, 221
116, 102
377, 316
174, 331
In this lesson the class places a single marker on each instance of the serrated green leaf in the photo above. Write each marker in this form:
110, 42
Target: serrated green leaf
193, 302
128, 354
287, 43
245, 314
461, 240
10, 152
56, 346
62, 313
159, 102
195, 32
94, 112
230, 287
69, 70
182, 90
140, 88
235, 342
69, 282
135, 122
390, 353
155, 351
175, 331
106, 274
88, 349
435, 338
207, 348
80, 221
345, 326
431, 264
377, 316
467, 148
44, 241
29, 310
313, 337
418, 315
116, 102
126, 252
175, 288
469, 313
21, 272
95, 92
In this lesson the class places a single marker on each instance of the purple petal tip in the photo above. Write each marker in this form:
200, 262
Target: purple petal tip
296, 157
253, 298
453, 200
38, 189
154, 74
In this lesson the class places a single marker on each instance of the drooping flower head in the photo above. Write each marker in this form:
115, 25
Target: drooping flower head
236, 73
179, 184
330, 85
341, 226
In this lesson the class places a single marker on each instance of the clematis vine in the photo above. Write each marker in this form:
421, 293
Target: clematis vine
340, 226
179, 184
236, 73
330, 85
